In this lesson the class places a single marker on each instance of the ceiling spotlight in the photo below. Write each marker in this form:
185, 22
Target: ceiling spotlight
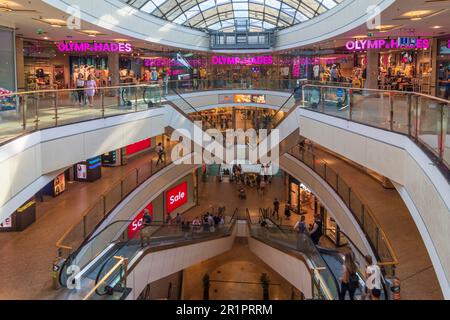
436, 27
91, 35
55, 25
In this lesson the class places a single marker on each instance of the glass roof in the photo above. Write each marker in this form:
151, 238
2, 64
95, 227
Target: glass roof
222, 15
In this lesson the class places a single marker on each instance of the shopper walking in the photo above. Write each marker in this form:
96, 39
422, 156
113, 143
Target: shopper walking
276, 207
80, 84
161, 154
373, 279
349, 280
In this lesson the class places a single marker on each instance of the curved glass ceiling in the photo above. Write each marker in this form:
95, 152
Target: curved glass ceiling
222, 15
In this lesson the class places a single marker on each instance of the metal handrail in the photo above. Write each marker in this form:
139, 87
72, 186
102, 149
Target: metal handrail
120, 262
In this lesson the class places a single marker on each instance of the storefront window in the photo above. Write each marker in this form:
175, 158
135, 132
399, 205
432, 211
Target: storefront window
7, 65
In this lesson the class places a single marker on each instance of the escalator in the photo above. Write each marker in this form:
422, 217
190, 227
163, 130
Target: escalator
97, 257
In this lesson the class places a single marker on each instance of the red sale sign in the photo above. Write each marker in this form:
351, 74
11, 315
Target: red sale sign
176, 197
138, 221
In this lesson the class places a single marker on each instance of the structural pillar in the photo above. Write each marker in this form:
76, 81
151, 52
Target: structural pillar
372, 69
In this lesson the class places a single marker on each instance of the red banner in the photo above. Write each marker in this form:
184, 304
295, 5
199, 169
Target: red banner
138, 221
176, 197
139, 146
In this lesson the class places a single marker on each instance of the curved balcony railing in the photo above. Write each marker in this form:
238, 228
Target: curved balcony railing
424, 119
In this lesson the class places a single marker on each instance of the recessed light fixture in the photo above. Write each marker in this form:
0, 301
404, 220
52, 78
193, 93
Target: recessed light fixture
92, 35
437, 27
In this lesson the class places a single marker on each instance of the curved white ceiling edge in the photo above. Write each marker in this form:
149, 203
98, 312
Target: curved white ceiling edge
348, 15
345, 17
128, 21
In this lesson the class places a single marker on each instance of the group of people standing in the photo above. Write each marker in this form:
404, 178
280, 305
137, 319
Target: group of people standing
86, 84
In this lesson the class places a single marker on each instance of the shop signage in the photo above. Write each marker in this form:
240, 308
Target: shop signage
176, 197
138, 221
256, 60
95, 47
400, 43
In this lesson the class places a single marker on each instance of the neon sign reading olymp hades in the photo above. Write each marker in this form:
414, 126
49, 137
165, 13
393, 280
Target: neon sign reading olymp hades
400, 43
257, 60
95, 47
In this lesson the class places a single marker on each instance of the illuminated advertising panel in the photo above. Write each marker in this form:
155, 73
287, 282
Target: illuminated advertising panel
176, 197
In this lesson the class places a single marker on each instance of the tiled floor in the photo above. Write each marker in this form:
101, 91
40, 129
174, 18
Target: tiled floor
26, 257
